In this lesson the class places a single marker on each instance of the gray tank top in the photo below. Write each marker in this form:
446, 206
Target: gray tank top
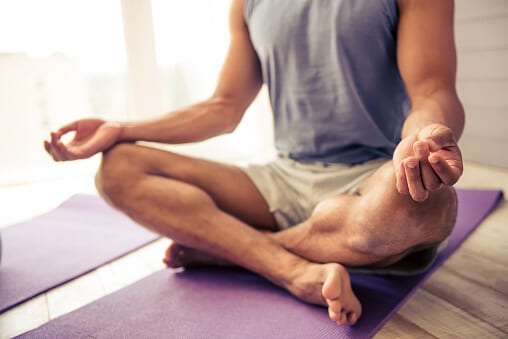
331, 71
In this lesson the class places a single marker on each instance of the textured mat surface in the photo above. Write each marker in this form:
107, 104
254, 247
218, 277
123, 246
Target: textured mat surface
81, 234
232, 303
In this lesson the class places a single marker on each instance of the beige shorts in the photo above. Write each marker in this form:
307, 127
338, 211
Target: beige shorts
292, 189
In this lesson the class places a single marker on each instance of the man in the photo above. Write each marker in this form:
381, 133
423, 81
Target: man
352, 83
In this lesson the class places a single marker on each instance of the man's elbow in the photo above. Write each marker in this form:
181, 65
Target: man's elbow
228, 111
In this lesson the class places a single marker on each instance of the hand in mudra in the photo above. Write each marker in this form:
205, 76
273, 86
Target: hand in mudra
91, 136
426, 161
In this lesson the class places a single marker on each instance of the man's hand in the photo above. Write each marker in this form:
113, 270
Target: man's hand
91, 136
426, 161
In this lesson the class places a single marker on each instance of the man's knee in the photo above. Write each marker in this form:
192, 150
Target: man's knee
380, 222
115, 172
397, 223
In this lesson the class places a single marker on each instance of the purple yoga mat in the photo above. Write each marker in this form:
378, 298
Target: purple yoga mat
232, 303
80, 235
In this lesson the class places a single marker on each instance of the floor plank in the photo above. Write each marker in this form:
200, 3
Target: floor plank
400, 328
443, 320
479, 269
481, 302
489, 240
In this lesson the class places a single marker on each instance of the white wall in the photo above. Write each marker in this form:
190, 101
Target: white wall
481, 30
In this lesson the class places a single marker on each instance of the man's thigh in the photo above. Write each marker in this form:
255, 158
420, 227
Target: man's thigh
228, 185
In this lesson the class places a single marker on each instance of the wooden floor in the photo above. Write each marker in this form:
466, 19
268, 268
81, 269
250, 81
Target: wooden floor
466, 298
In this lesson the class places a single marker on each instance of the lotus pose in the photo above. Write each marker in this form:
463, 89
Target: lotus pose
366, 120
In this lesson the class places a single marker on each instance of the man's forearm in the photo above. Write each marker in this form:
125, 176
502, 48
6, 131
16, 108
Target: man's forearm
441, 107
192, 124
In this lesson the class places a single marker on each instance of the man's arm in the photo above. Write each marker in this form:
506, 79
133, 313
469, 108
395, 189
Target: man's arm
428, 155
239, 82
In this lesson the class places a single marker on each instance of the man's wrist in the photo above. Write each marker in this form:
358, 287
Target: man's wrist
125, 133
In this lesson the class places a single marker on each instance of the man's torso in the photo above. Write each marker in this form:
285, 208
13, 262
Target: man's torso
331, 70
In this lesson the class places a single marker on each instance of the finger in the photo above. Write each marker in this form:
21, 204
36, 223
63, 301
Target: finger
414, 180
52, 147
448, 173
63, 151
54, 138
67, 128
55, 146
441, 137
57, 154
49, 148
402, 180
430, 179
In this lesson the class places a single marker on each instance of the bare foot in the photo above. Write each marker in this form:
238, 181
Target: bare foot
182, 256
343, 306
329, 285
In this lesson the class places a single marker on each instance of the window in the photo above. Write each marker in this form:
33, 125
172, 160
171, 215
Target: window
59, 60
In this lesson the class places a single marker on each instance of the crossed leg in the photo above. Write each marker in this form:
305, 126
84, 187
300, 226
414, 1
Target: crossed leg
375, 227
215, 209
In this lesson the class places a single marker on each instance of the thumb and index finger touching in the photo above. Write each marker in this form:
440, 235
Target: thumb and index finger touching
445, 157
67, 128
435, 160
438, 137
56, 147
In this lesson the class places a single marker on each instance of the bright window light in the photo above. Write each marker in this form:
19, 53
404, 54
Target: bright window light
192, 38
60, 60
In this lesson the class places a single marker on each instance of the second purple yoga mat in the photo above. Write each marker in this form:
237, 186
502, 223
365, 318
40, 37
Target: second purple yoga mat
80, 235
222, 303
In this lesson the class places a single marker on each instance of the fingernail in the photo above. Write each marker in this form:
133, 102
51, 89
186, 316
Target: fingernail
411, 164
434, 160
421, 197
